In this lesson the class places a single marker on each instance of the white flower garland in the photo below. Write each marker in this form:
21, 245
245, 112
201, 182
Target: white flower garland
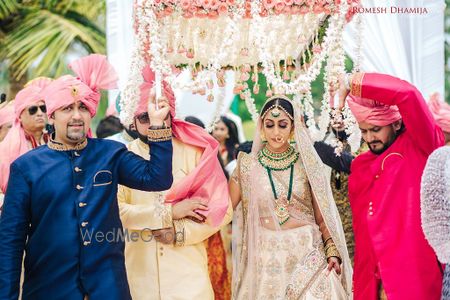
250, 103
128, 101
219, 107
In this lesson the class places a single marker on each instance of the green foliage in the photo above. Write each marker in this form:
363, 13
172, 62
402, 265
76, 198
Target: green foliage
7, 7
39, 35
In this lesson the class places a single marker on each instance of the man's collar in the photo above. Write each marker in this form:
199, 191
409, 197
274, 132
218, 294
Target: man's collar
54, 145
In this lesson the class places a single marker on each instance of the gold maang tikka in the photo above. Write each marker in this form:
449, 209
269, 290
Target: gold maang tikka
275, 109
275, 112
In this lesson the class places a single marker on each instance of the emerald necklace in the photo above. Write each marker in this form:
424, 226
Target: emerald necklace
279, 162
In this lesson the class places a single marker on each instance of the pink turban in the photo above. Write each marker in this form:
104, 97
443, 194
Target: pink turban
93, 72
440, 111
15, 143
199, 183
373, 112
31, 94
7, 114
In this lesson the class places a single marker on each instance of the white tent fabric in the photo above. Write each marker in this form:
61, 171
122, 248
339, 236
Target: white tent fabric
406, 45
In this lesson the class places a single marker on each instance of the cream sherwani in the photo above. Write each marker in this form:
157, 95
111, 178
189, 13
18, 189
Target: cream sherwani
156, 270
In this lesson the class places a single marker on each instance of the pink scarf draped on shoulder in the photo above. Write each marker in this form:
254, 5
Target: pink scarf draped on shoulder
15, 143
7, 114
199, 183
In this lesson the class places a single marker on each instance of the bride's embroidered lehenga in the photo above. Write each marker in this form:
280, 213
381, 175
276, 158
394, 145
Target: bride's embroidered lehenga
271, 261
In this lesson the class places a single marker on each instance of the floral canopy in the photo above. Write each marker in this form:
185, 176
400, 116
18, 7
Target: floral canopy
286, 40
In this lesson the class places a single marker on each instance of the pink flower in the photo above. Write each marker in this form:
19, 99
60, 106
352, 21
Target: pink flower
187, 15
210, 98
318, 9
223, 9
220, 73
238, 88
210, 84
269, 4
190, 53
327, 9
289, 2
248, 6
202, 14
193, 9
181, 49
279, 7
167, 2
206, 3
213, 15
256, 89
304, 10
264, 13
299, 2
230, 2
317, 49
295, 10
185, 4
244, 52
221, 81
288, 10
269, 93
245, 76
175, 70
168, 11
215, 4
310, 2
157, 2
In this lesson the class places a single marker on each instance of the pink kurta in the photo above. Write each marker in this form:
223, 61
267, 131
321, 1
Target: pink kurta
384, 192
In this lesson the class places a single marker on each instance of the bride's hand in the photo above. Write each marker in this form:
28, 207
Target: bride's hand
333, 263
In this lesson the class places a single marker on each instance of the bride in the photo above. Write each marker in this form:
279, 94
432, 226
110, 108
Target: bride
288, 241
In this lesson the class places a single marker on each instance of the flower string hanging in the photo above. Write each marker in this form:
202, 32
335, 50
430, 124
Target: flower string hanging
287, 40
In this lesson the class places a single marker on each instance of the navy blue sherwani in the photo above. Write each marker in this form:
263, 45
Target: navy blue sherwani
61, 208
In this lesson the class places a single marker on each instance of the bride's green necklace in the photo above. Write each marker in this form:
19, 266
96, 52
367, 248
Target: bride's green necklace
278, 162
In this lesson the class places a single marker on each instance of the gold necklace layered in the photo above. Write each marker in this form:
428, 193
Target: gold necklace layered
277, 161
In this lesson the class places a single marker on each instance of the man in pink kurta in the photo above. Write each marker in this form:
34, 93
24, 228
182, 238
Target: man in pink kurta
384, 190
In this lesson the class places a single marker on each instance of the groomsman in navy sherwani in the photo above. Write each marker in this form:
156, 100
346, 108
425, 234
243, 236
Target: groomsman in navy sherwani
61, 199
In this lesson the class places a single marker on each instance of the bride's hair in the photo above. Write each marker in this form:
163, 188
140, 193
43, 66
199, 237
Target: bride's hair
282, 103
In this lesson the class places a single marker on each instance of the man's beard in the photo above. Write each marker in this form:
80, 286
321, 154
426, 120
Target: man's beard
133, 133
385, 145
143, 138
76, 136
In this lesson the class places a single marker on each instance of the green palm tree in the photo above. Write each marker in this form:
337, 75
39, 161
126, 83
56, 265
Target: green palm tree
37, 35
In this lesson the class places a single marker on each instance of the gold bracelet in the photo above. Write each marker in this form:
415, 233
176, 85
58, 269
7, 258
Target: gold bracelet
159, 135
332, 251
180, 237
325, 242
